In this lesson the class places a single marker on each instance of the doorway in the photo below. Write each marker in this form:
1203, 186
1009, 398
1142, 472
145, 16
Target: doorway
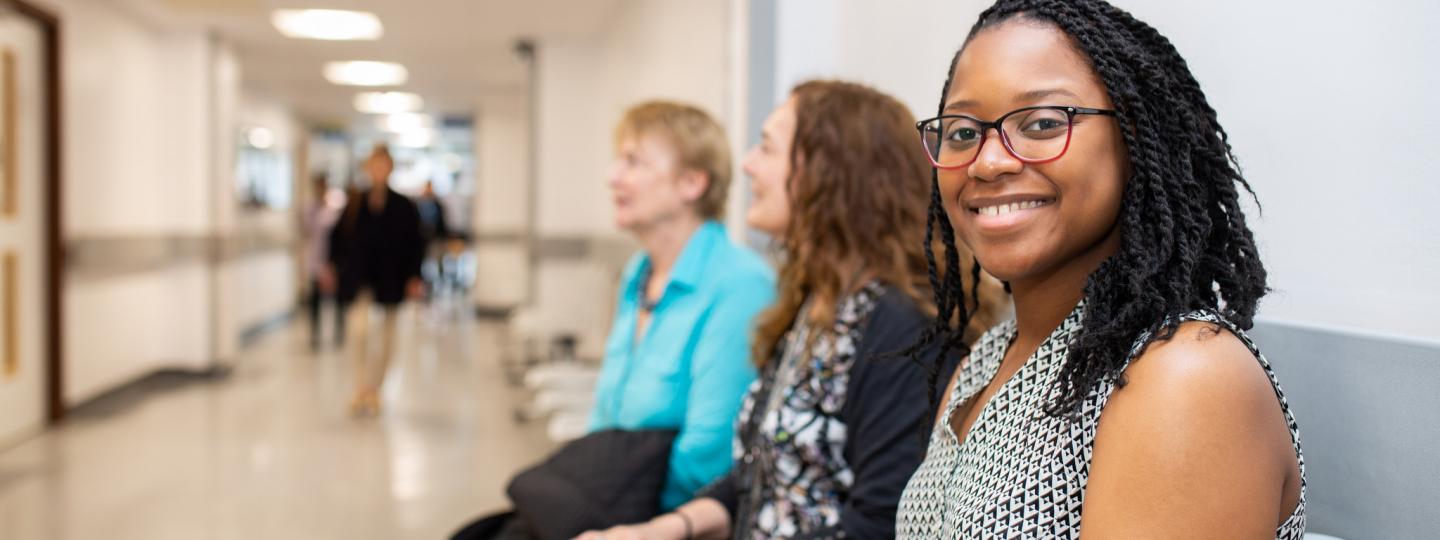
30, 251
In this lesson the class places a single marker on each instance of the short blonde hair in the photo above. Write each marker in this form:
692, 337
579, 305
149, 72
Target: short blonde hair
699, 139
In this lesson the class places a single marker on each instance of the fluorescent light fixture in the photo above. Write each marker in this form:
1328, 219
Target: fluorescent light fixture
327, 24
416, 138
388, 102
366, 73
260, 138
403, 122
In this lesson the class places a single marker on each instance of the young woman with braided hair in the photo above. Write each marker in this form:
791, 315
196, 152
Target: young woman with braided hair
1077, 157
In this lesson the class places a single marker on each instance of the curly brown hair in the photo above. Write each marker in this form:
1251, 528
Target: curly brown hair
859, 187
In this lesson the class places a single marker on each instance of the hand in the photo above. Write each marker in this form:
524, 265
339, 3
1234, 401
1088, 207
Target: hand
327, 279
415, 288
623, 532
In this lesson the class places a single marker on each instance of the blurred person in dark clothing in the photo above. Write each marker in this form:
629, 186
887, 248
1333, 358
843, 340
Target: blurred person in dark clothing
316, 225
376, 250
432, 215
436, 233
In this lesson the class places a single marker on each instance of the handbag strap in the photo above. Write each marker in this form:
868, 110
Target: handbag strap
758, 452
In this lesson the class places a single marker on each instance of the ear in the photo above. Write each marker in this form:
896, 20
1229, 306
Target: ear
692, 184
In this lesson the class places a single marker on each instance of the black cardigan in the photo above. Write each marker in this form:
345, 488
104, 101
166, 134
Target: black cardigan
886, 411
379, 251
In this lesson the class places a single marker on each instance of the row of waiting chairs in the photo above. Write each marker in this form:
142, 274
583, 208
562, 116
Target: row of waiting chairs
560, 382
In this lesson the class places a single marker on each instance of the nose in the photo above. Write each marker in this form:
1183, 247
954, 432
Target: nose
748, 165
995, 160
615, 174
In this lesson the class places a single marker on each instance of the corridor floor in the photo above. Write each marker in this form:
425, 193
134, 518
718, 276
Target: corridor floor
270, 452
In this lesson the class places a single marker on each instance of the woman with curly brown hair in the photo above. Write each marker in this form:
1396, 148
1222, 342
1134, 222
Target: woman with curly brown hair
828, 434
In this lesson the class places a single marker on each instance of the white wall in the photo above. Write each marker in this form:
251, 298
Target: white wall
651, 49
502, 149
120, 328
1324, 102
134, 120
502, 152
150, 117
256, 286
901, 48
135, 155
1327, 112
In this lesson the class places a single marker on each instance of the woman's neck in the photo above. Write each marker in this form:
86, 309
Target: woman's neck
1042, 302
377, 196
1041, 305
854, 274
663, 241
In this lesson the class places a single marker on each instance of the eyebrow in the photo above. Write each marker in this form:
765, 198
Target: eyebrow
1023, 97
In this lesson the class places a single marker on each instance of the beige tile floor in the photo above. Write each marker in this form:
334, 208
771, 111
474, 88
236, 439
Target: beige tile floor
270, 453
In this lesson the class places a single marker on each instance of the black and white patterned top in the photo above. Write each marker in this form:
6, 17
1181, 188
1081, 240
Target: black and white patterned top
838, 426
1021, 473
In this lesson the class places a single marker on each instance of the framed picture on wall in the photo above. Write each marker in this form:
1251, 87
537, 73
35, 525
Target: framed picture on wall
7, 134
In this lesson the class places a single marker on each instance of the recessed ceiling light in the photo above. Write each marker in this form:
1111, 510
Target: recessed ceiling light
365, 73
388, 102
418, 138
328, 24
260, 138
400, 123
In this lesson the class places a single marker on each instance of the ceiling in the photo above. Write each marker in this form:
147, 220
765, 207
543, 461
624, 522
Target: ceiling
457, 51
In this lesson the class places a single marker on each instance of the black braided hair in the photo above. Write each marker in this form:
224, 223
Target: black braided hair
1184, 243
945, 335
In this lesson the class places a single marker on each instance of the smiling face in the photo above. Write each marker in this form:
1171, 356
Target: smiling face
768, 165
1023, 220
648, 185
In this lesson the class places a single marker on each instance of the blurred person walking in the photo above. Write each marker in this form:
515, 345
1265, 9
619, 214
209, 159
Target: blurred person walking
436, 234
316, 224
376, 251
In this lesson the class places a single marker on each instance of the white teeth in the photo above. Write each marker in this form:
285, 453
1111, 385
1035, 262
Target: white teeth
1003, 209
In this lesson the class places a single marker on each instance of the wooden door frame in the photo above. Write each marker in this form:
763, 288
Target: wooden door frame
54, 242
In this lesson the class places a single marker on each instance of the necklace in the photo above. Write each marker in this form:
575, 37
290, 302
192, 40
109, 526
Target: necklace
646, 304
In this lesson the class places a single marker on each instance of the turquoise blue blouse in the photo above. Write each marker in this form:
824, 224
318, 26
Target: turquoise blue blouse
692, 367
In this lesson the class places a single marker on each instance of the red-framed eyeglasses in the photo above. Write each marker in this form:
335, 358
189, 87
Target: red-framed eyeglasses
1032, 134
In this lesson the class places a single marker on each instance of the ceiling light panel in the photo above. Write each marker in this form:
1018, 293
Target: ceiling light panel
420, 138
327, 24
400, 123
388, 102
366, 73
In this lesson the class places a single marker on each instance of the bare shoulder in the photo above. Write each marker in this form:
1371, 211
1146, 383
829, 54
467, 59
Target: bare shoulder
1203, 384
1201, 361
1197, 433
